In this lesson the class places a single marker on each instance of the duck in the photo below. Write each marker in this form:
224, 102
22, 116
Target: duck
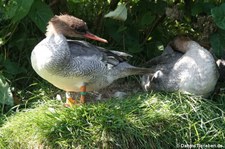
183, 66
77, 65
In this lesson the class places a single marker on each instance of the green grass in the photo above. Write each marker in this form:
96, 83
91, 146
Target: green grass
154, 120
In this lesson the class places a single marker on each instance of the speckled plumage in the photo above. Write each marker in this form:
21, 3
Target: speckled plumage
68, 64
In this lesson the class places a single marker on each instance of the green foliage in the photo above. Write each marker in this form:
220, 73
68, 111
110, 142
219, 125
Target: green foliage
9, 68
40, 14
218, 42
200, 7
120, 13
19, 33
17, 9
151, 25
5, 93
6, 97
135, 33
218, 14
218, 38
153, 120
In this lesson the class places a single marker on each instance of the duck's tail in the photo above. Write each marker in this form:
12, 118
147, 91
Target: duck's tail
125, 69
139, 71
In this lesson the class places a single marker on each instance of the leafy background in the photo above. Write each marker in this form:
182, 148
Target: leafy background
148, 27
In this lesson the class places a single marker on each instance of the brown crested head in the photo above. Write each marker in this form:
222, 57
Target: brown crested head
70, 26
180, 43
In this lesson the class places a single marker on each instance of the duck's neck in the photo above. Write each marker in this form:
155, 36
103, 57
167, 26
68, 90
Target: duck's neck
187, 46
193, 46
56, 39
57, 45
52, 30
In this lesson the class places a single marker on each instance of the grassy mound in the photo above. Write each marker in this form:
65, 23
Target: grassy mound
153, 120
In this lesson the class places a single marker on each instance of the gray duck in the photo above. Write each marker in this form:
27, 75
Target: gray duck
185, 66
78, 66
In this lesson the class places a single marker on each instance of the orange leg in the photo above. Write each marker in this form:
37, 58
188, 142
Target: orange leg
69, 100
82, 93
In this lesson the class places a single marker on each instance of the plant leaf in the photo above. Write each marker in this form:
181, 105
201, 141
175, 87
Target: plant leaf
217, 41
147, 19
202, 7
132, 44
13, 68
40, 14
120, 13
218, 14
6, 97
18, 9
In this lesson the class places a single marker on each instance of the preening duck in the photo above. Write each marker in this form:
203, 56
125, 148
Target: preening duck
185, 66
78, 66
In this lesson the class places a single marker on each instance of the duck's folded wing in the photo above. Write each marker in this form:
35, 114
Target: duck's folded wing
85, 49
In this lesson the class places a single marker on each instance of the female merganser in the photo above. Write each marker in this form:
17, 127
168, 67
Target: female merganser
184, 66
73, 65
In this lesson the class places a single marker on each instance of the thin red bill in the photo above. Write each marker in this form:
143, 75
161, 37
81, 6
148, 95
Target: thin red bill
94, 37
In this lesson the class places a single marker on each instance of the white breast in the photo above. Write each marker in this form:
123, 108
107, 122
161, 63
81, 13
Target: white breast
40, 56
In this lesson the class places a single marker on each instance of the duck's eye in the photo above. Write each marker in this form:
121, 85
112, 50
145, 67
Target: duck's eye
81, 30
72, 26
